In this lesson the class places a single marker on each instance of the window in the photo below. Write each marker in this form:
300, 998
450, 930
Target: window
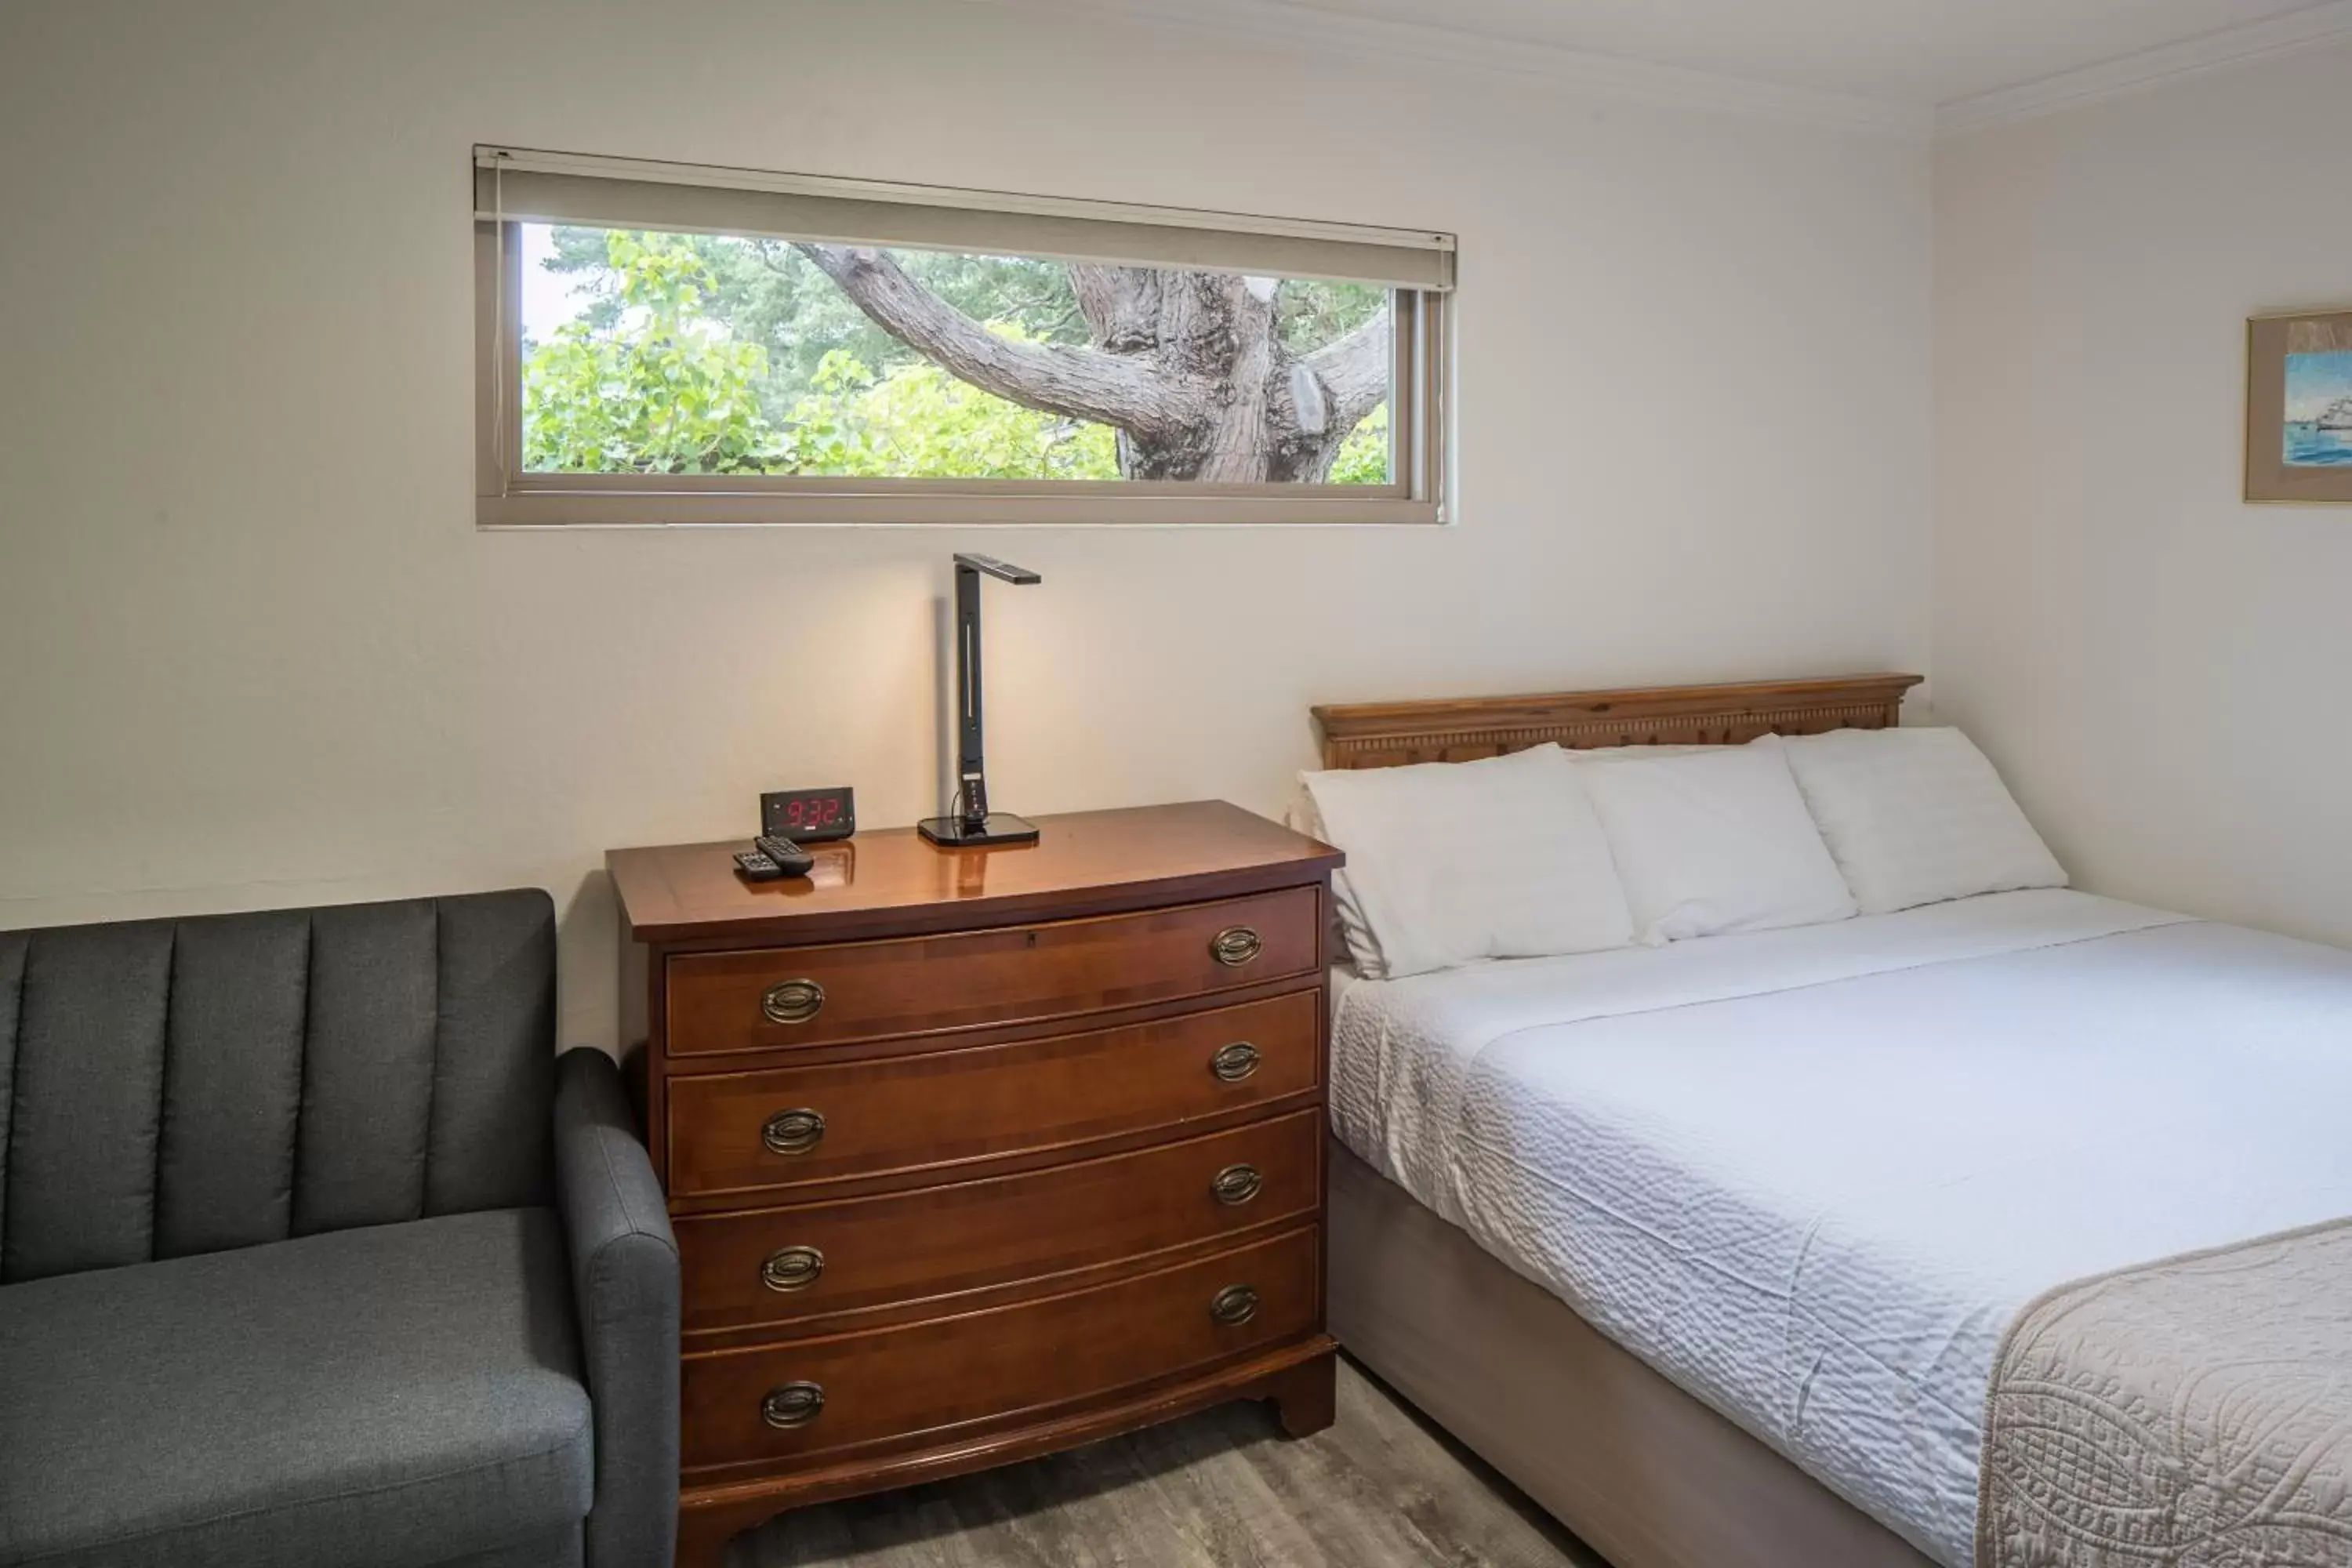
661, 343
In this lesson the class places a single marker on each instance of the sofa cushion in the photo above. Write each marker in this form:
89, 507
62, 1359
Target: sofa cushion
184, 1086
376, 1397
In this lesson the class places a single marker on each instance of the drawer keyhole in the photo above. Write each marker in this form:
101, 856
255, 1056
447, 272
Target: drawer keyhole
1236, 1185
795, 1131
1236, 1304
793, 1404
791, 1269
1234, 1062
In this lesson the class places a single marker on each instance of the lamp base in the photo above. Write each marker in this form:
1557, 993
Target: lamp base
954, 832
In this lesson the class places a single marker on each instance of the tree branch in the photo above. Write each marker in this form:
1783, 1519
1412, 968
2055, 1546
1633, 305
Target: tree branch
1077, 384
1121, 305
1355, 371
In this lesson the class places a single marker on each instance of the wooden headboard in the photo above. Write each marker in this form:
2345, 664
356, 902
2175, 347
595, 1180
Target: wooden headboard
1386, 734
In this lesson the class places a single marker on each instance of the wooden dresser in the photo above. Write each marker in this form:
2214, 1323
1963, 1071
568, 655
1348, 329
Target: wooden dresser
975, 1155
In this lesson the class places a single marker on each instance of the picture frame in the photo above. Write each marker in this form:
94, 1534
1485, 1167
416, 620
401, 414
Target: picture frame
2299, 407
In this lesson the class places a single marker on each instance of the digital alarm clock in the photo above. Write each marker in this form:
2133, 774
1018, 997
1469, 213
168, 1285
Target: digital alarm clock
809, 815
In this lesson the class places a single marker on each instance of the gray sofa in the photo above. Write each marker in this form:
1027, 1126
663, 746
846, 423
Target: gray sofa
313, 1253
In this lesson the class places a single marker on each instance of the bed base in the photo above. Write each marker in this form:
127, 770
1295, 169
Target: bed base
1642, 1471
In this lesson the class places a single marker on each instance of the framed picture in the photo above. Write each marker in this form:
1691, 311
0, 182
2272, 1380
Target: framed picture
2299, 406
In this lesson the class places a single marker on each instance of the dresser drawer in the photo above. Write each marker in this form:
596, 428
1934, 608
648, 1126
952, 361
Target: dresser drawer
778, 1266
924, 1378
918, 986
783, 1126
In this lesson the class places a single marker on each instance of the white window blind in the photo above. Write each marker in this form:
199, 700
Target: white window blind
514, 185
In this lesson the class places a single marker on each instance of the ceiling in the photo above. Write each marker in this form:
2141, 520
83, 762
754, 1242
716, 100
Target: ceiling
1922, 53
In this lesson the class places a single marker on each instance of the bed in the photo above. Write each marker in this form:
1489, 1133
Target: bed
1712, 1247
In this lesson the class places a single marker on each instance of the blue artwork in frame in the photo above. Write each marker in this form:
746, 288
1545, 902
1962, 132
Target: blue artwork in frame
2317, 427
2299, 407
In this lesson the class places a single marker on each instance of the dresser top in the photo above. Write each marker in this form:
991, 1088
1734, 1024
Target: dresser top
892, 880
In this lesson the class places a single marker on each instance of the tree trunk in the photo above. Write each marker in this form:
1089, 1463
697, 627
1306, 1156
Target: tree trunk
1187, 367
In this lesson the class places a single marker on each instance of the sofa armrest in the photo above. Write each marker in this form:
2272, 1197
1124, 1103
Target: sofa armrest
625, 1286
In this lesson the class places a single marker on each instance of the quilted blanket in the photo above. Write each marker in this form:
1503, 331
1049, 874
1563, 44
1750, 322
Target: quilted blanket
2195, 1413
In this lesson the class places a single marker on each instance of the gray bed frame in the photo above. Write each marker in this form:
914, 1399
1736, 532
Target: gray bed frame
1642, 1471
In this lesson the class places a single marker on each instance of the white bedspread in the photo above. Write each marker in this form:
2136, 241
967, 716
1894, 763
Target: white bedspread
1811, 1175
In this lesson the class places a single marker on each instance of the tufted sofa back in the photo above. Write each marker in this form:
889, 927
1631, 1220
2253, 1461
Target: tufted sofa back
172, 1086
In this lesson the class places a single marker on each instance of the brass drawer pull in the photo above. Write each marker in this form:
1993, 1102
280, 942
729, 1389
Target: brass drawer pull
795, 1131
793, 1002
791, 1269
1236, 1185
1236, 1304
1236, 945
1234, 1062
793, 1404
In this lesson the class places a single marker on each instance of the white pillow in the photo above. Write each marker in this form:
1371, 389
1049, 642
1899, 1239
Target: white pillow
1453, 862
1716, 841
1356, 938
1917, 816
1638, 754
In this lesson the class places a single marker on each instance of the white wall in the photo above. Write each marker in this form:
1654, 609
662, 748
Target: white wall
2157, 667
256, 654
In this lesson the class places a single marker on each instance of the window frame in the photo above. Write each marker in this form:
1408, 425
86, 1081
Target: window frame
508, 495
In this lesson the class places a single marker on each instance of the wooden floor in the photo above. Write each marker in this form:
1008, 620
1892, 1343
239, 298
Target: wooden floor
1381, 1489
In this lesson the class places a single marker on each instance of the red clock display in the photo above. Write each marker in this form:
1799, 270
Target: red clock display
809, 815
814, 811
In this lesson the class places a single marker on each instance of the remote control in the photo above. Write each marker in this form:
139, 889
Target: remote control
790, 859
757, 868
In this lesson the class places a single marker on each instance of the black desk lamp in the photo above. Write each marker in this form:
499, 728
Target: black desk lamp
969, 822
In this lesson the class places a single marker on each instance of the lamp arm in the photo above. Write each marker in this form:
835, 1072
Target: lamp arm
971, 770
